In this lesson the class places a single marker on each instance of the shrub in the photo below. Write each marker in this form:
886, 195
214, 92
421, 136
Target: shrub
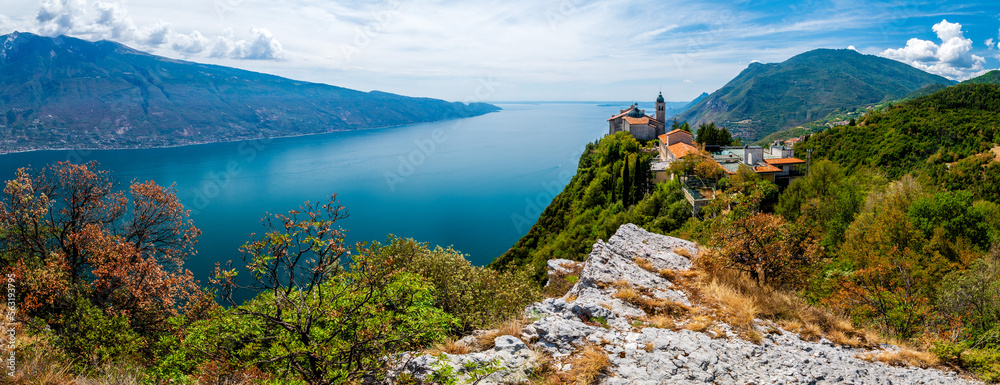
478, 296
765, 247
313, 319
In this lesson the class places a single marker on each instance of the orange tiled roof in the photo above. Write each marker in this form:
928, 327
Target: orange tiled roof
678, 130
624, 112
766, 168
681, 149
632, 120
782, 161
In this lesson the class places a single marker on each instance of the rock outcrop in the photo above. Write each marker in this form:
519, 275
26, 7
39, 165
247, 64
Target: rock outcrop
591, 314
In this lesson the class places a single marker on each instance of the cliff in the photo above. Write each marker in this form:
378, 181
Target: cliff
632, 317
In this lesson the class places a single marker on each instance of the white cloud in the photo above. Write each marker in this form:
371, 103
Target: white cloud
111, 20
852, 48
189, 44
952, 58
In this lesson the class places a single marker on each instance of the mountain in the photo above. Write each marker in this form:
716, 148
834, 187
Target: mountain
695, 101
65, 92
992, 77
765, 98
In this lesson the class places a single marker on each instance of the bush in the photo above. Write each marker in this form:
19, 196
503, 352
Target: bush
765, 247
974, 294
94, 338
478, 296
312, 318
363, 321
984, 362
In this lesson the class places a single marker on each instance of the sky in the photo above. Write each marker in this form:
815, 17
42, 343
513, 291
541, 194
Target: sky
517, 50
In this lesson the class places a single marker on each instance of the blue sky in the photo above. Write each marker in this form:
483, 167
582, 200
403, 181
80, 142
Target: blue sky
502, 50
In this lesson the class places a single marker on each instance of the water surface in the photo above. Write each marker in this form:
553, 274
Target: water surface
476, 183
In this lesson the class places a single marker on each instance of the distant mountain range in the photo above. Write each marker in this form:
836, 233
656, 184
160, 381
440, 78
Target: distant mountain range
765, 98
65, 92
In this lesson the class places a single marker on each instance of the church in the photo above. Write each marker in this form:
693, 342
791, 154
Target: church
637, 123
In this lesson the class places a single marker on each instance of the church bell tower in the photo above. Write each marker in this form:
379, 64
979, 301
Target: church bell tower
661, 109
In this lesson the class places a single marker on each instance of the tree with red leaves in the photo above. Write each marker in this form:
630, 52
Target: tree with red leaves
69, 232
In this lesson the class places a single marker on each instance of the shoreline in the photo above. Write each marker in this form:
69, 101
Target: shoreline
235, 140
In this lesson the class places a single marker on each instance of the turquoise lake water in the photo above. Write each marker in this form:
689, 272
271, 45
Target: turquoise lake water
477, 183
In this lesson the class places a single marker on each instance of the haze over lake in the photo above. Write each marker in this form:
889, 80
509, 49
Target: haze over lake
477, 183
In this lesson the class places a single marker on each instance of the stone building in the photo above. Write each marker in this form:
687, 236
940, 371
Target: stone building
636, 122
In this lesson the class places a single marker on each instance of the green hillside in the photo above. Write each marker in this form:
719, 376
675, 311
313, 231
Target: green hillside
992, 77
611, 188
69, 93
766, 98
924, 133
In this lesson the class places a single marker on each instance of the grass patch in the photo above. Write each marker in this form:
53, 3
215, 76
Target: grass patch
589, 366
511, 327
904, 357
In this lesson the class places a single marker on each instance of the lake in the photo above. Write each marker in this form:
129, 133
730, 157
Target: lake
477, 183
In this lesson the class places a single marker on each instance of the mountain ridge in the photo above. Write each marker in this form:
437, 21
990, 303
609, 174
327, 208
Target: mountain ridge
764, 98
65, 92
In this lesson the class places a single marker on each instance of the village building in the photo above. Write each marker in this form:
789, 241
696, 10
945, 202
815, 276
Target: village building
635, 121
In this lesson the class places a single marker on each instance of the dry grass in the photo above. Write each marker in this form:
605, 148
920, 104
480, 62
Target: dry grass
589, 366
544, 372
683, 252
649, 304
38, 361
645, 264
571, 297
735, 309
904, 357
661, 322
561, 282
511, 327
699, 323
739, 299
450, 346
37, 368
668, 274
628, 294
718, 331
649, 347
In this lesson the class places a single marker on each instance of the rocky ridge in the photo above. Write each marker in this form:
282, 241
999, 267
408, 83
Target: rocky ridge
590, 314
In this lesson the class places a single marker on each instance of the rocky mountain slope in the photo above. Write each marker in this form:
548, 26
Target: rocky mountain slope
64, 92
766, 98
593, 323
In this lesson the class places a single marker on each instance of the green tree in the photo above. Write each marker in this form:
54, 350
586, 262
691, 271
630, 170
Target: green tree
311, 318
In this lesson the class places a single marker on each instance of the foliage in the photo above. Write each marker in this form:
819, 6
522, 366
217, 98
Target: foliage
594, 204
709, 135
767, 248
675, 125
699, 164
77, 243
477, 296
992, 77
922, 134
974, 294
311, 318
826, 200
